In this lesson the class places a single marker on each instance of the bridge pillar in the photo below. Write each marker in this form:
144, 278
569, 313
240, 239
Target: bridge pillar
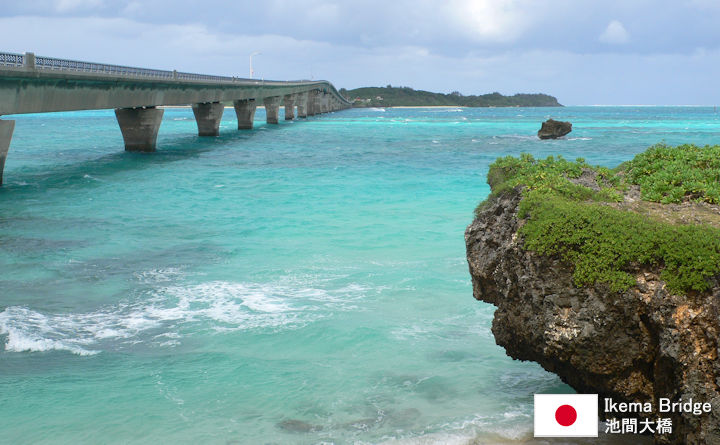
139, 127
208, 116
272, 109
312, 103
302, 101
245, 111
319, 103
289, 102
6, 131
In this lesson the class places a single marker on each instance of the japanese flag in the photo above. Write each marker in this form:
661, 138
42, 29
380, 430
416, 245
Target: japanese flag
566, 415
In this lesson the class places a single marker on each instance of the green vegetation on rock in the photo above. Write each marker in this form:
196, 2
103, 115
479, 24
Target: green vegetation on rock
404, 96
571, 211
673, 174
551, 177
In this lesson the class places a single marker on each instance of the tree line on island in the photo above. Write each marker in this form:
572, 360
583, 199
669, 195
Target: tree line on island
390, 96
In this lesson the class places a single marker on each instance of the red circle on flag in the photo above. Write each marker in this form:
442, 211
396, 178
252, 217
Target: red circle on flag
565, 415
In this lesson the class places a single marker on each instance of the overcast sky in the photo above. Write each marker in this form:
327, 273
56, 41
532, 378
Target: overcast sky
581, 51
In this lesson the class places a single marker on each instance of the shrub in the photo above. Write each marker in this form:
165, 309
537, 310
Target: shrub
674, 174
603, 243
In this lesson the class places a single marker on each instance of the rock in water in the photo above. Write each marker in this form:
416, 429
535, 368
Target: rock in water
552, 129
634, 346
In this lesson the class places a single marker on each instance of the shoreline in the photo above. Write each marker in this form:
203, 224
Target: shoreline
422, 106
359, 108
464, 106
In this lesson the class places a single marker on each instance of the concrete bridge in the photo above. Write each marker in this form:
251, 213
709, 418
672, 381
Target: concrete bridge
30, 84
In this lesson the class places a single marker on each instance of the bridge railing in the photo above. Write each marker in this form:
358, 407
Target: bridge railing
51, 63
10, 59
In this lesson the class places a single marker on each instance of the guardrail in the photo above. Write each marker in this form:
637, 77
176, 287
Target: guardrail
10, 59
51, 63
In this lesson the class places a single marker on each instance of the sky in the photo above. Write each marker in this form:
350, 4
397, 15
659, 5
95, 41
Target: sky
582, 52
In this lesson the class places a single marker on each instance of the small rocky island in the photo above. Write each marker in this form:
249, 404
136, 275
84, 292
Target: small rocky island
552, 129
609, 278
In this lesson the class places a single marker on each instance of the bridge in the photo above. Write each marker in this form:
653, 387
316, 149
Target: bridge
34, 84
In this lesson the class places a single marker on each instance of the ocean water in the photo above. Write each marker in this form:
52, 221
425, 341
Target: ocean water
300, 283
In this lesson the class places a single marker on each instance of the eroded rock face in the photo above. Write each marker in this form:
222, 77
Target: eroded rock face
552, 129
635, 346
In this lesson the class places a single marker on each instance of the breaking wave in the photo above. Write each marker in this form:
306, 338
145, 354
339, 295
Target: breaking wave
166, 315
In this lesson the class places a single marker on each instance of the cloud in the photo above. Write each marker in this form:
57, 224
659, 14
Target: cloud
615, 33
190, 47
450, 27
71, 5
488, 20
508, 46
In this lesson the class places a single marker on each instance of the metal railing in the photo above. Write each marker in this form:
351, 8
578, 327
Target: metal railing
51, 63
10, 59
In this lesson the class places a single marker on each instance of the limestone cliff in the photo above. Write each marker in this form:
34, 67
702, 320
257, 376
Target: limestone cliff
635, 345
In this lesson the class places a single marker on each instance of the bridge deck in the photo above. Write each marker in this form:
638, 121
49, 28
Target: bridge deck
30, 84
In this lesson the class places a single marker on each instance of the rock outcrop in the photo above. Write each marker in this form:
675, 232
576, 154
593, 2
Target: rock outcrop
633, 346
552, 129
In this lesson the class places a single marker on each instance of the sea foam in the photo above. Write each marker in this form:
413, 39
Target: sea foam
165, 315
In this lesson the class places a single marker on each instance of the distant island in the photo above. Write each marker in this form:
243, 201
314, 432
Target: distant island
390, 96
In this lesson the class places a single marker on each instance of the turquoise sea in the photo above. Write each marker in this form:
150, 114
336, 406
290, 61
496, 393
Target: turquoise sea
300, 283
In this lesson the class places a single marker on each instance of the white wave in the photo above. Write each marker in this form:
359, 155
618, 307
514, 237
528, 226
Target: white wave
86, 176
643, 106
515, 136
444, 110
434, 439
20, 338
152, 276
164, 316
377, 109
579, 139
479, 429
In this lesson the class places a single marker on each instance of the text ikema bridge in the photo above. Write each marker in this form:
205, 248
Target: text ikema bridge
576, 415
